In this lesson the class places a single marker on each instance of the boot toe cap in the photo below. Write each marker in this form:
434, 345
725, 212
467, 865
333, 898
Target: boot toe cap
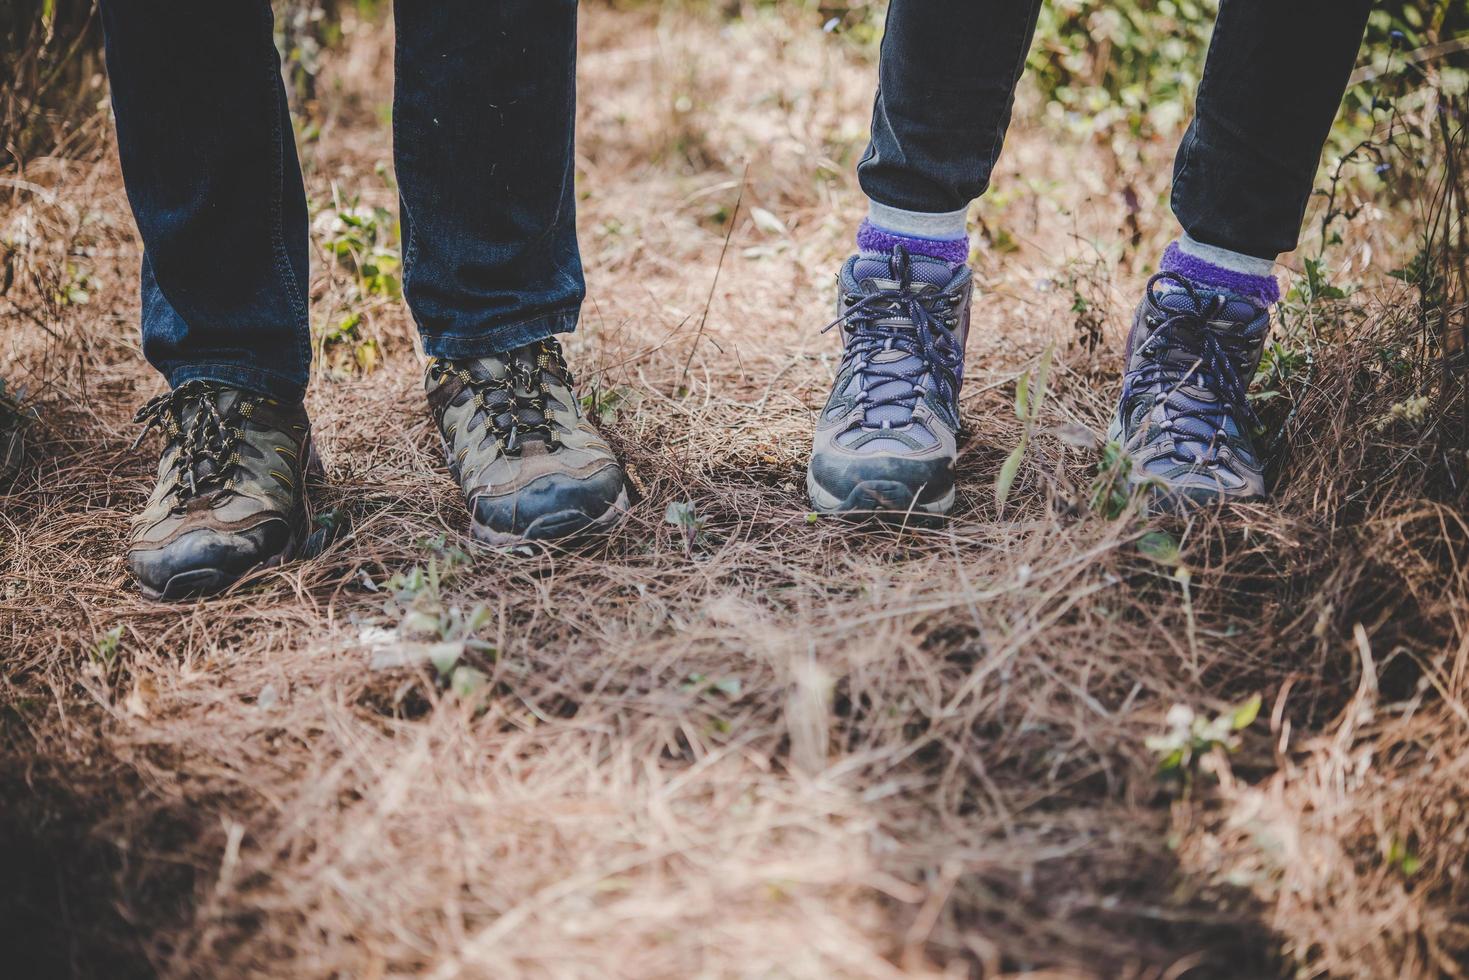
555, 506
206, 560
882, 482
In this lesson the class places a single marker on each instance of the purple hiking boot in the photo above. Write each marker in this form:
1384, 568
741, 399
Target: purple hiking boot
886, 441
1184, 418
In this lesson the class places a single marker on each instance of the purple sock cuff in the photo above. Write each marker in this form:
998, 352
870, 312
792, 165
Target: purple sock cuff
1262, 289
871, 238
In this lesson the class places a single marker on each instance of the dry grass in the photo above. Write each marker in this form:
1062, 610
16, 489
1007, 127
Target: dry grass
789, 748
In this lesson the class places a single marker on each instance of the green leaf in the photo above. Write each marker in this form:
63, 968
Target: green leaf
479, 617
1022, 396
1172, 760
681, 514
108, 645
468, 680
1244, 716
1008, 472
444, 656
1042, 380
1159, 546
349, 323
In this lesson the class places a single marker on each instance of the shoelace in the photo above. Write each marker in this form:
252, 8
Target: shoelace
928, 339
1220, 356
506, 417
208, 440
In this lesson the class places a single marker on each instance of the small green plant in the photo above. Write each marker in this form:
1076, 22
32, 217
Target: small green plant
453, 638
1410, 412
1110, 494
1190, 737
432, 631
364, 240
420, 586
1422, 272
76, 287
1160, 547
346, 350
327, 527
1317, 285
1288, 364
1163, 549
729, 687
106, 649
1400, 856
607, 404
1284, 362
682, 515
1028, 404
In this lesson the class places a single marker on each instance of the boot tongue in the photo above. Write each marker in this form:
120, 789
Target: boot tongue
196, 415
883, 266
1191, 399
878, 270
498, 368
1228, 312
1232, 309
224, 401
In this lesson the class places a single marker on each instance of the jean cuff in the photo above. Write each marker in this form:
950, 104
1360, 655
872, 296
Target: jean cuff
500, 337
252, 379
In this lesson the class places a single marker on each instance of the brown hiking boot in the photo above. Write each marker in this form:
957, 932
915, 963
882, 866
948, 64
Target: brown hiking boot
531, 466
230, 496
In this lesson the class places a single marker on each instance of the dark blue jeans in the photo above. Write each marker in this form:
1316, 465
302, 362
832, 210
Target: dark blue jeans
483, 119
1273, 82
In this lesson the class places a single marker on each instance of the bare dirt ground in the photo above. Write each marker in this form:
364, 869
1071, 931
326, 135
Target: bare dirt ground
753, 744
